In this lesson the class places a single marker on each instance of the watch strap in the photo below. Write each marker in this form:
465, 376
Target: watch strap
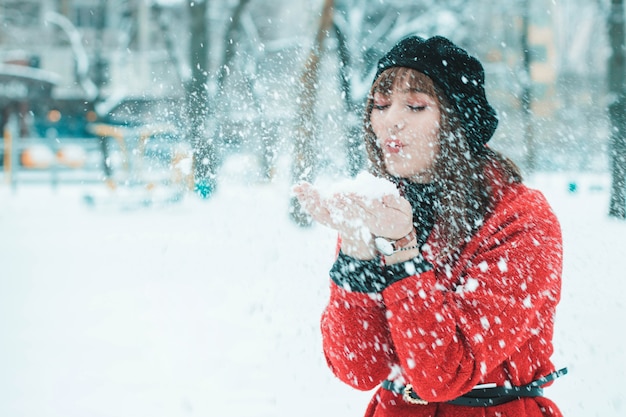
389, 247
404, 241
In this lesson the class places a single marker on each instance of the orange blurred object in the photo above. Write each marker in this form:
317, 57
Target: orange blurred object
72, 156
37, 157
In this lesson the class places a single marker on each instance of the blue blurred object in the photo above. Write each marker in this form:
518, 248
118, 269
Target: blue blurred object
204, 188
572, 187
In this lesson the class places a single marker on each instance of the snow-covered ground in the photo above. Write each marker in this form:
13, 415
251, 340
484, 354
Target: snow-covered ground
211, 307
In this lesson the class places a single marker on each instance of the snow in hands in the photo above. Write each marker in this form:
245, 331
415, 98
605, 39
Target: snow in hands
365, 185
363, 206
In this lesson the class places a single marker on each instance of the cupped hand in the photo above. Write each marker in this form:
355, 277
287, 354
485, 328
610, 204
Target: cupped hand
335, 212
349, 213
390, 216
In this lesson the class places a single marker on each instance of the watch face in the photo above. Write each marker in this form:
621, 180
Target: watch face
384, 246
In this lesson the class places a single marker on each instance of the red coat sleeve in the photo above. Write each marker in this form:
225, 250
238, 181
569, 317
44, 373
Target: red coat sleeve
450, 327
356, 339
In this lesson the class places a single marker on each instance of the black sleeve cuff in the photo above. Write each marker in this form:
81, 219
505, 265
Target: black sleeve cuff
371, 276
401, 270
357, 275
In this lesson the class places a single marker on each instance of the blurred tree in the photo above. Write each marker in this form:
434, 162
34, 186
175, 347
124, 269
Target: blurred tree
204, 152
526, 84
304, 152
170, 42
617, 110
231, 36
231, 41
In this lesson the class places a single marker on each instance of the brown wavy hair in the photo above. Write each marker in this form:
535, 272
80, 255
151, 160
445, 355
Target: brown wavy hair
469, 180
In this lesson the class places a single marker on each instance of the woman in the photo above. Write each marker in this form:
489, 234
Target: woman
442, 297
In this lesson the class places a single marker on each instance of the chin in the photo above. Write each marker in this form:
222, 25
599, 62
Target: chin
410, 173
401, 170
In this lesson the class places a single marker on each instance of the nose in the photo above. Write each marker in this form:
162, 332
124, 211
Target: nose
395, 122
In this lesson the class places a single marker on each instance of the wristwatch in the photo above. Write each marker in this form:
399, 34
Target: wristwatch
388, 247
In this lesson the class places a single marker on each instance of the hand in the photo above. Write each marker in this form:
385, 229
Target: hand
356, 239
390, 216
352, 214
335, 212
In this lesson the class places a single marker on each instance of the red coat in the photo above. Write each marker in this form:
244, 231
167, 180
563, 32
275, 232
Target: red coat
488, 319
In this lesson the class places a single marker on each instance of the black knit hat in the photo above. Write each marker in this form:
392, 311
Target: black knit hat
459, 75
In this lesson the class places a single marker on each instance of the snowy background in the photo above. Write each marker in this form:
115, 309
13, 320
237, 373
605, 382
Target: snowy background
211, 307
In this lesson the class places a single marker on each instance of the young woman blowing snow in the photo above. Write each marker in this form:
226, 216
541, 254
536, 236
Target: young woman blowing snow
443, 295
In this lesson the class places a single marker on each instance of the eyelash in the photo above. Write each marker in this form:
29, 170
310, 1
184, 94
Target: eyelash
413, 108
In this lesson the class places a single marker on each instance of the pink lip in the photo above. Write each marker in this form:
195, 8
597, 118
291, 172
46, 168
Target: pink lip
393, 146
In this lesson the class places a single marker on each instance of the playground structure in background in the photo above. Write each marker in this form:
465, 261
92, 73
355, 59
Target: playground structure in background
140, 158
51, 140
144, 156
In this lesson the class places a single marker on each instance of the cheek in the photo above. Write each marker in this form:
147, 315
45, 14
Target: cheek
425, 136
425, 148
435, 148
375, 123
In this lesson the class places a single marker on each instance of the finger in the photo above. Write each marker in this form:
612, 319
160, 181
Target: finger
389, 217
320, 209
301, 188
356, 201
345, 213
377, 208
396, 202
369, 211
309, 199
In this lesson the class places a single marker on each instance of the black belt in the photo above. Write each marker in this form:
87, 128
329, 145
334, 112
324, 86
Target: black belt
481, 397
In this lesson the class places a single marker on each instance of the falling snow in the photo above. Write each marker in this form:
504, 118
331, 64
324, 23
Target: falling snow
211, 307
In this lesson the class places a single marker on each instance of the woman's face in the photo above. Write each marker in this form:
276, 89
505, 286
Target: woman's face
406, 123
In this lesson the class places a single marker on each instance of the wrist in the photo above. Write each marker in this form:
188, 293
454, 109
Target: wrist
403, 255
389, 247
358, 248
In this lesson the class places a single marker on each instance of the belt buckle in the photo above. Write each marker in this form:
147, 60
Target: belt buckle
406, 396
